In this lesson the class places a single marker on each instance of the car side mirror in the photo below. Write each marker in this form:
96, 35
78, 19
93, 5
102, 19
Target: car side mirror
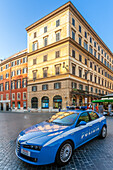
82, 123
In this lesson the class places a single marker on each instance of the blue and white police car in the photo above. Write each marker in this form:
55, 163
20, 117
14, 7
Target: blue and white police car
55, 139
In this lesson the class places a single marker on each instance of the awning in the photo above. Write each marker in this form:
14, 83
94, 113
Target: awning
101, 101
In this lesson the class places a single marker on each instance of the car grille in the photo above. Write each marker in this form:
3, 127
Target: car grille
29, 158
18, 147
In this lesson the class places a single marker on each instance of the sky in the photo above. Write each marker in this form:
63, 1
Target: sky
16, 15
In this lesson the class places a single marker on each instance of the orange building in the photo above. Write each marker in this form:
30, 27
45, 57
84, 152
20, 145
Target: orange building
13, 82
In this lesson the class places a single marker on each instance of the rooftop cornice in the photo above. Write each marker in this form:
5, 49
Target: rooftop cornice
73, 9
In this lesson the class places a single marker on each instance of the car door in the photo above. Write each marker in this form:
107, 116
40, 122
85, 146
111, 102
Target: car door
82, 131
94, 124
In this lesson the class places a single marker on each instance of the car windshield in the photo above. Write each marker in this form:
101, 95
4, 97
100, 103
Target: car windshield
63, 118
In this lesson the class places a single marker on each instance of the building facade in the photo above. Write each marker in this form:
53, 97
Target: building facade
68, 63
13, 82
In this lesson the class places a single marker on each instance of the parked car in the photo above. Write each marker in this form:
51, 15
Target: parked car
54, 140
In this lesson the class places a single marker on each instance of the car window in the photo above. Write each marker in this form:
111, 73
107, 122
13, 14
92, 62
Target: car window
93, 115
84, 117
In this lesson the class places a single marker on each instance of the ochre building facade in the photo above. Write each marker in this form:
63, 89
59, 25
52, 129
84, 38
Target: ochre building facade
13, 82
68, 63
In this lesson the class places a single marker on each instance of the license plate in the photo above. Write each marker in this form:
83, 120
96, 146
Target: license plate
25, 152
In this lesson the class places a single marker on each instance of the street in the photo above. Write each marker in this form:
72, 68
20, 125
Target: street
96, 154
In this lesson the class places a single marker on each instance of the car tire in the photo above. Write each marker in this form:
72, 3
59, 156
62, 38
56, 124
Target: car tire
64, 153
103, 132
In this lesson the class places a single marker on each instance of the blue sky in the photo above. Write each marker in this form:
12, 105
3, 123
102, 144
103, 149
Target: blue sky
16, 15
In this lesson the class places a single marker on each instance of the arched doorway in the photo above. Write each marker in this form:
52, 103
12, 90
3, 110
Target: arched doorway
74, 100
57, 102
80, 101
45, 102
34, 103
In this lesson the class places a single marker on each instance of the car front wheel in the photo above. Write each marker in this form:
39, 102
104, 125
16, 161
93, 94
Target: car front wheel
64, 153
103, 132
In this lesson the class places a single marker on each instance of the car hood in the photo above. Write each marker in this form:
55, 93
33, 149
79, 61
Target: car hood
41, 133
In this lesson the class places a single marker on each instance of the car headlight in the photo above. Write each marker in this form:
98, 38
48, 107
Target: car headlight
34, 147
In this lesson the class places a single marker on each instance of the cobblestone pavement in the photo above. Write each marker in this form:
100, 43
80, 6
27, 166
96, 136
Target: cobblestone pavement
96, 154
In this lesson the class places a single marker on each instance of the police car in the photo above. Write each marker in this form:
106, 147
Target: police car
54, 140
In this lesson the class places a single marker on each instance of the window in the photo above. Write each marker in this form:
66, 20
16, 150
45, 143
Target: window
12, 63
91, 77
34, 61
45, 29
98, 56
34, 75
102, 59
18, 62
84, 117
93, 115
73, 53
73, 22
24, 82
24, 70
1, 87
24, 95
34, 46
90, 49
96, 90
7, 86
74, 85
90, 64
104, 54
19, 72
80, 58
44, 58
79, 28
13, 96
45, 41
80, 72
80, 41
102, 72
108, 57
85, 61
1, 77
73, 35
12, 85
7, 66
92, 89
57, 54
95, 79
34, 88
86, 88
85, 34
94, 44
34, 34
57, 36
24, 59
57, 70
57, 85
85, 45
45, 87
7, 96
98, 48
44, 73
86, 75
98, 80
1, 68
99, 70
95, 67
90, 40
102, 51
102, 82
7, 75
1, 96
18, 96
34, 103
73, 69
18, 84
13, 73
57, 23
95, 53
105, 62
80, 87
